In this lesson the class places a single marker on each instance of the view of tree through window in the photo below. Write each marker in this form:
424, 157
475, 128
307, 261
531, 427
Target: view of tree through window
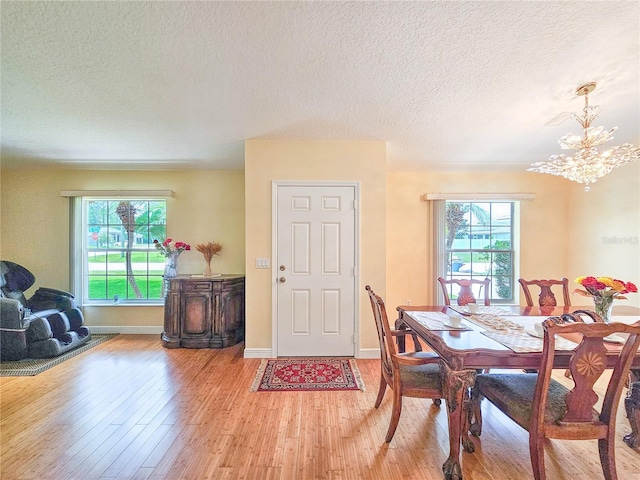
122, 263
479, 244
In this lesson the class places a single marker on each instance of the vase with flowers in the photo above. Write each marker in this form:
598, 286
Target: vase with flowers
603, 291
208, 250
171, 251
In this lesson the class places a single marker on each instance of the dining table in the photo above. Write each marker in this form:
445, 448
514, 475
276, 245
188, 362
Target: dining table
496, 337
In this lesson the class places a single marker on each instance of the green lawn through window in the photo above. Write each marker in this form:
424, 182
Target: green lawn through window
103, 285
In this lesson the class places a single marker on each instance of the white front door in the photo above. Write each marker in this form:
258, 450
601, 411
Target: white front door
316, 270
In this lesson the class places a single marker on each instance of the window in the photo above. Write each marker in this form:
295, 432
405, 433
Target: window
479, 243
119, 263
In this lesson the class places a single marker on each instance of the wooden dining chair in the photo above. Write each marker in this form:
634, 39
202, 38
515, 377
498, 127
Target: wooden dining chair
546, 298
410, 374
548, 409
465, 294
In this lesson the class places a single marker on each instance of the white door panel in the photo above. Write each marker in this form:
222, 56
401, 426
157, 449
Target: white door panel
316, 265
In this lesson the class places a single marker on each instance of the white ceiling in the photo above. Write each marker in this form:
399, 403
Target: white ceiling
449, 85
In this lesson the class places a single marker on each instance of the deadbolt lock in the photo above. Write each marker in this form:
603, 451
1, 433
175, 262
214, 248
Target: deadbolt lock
282, 268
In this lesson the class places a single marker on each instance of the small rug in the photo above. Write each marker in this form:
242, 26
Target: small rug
34, 366
307, 374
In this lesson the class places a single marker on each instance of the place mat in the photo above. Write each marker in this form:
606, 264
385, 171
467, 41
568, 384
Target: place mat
435, 321
512, 333
628, 319
521, 342
496, 322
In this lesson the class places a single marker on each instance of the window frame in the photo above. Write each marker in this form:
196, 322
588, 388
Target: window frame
78, 250
437, 211
478, 253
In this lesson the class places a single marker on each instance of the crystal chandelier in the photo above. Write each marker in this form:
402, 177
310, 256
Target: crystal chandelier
587, 165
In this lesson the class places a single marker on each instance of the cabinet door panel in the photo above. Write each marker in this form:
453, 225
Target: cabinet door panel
197, 316
234, 311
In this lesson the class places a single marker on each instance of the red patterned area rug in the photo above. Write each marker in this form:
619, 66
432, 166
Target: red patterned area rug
307, 374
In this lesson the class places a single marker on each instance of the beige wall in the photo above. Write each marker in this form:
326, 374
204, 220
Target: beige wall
273, 160
565, 231
208, 206
408, 222
604, 238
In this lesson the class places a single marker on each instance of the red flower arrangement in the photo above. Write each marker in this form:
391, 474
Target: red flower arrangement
604, 287
169, 247
603, 291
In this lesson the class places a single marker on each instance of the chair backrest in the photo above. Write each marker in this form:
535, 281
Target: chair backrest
465, 294
15, 280
546, 297
588, 363
387, 344
578, 316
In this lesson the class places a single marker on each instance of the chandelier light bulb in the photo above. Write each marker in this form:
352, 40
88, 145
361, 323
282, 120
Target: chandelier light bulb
587, 164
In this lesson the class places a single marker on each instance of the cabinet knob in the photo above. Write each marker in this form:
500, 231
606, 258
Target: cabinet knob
282, 279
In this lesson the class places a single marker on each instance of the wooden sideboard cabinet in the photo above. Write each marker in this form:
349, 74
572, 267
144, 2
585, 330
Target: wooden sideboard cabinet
203, 312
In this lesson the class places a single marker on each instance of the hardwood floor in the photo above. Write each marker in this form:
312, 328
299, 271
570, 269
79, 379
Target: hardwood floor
131, 409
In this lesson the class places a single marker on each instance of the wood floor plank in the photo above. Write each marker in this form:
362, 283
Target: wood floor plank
130, 461
138, 411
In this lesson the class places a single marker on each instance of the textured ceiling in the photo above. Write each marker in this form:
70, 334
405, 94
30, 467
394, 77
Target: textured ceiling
449, 85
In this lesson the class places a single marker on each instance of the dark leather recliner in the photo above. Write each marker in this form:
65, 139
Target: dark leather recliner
45, 325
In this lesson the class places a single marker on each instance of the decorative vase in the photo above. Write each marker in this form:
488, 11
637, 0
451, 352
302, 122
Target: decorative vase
207, 268
171, 265
603, 307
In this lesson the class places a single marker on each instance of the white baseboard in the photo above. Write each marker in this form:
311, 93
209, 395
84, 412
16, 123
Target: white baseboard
257, 353
369, 353
364, 353
135, 330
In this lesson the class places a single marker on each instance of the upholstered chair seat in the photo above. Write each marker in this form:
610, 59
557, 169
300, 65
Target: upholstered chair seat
420, 376
513, 394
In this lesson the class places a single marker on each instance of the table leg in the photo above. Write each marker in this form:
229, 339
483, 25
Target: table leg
400, 325
456, 391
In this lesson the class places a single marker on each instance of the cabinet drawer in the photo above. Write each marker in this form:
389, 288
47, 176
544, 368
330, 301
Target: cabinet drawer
197, 287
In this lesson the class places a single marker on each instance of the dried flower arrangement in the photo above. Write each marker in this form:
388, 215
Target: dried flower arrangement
208, 250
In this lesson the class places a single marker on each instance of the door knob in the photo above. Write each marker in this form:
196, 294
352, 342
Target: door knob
282, 279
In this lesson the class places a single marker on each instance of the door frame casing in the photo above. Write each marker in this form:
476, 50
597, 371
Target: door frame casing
275, 184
